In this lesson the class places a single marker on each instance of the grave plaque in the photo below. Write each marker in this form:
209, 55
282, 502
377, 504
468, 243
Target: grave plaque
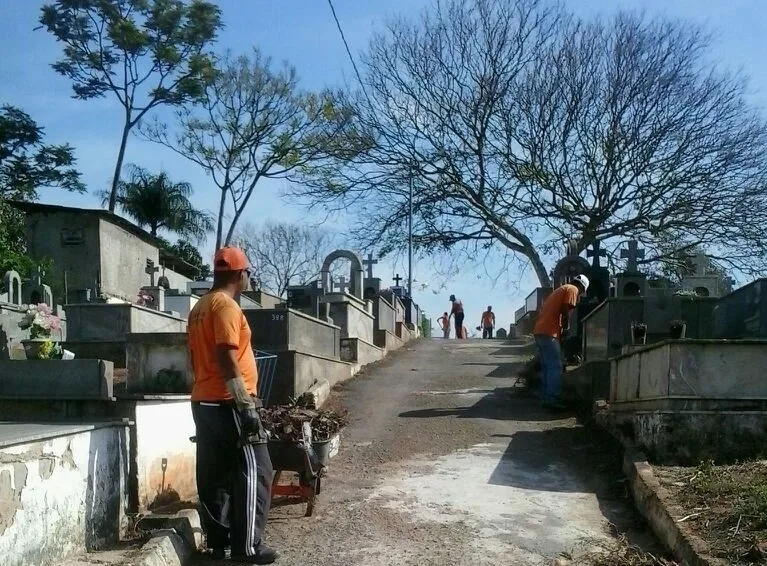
72, 236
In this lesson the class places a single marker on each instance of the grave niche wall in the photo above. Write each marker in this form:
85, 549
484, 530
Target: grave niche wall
743, 313
607, 328
72, 240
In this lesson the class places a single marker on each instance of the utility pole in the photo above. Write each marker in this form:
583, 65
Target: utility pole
410, 239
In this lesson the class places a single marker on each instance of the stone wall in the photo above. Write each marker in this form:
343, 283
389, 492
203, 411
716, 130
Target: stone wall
61, 492
111, 322
276, 330
352, 316
123, 261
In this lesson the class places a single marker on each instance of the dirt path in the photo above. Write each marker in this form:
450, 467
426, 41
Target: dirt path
445, 463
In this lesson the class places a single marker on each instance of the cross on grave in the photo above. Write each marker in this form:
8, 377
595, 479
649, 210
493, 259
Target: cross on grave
369, 263
632, 255
397, 279
596, 252
151, 270
342, 284
37, 278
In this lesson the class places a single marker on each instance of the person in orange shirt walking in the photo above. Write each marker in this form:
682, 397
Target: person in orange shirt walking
554, 321
488, 323
234, 472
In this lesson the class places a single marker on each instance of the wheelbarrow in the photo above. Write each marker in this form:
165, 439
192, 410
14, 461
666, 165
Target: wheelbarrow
306, 458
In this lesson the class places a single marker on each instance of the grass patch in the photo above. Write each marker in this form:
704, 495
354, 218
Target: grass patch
618, 553
726, 506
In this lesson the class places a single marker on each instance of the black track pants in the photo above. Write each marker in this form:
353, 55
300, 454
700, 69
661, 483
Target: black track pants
234, 484
459, 325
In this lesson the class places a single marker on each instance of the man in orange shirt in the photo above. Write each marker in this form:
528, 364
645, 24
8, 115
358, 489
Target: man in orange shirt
488, 323
234, 473
553, 321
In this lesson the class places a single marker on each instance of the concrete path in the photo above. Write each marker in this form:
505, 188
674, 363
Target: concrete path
446, 463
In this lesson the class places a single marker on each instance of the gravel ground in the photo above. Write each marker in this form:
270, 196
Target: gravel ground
445, 462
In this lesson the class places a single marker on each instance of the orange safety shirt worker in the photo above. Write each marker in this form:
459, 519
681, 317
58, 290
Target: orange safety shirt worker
549, 321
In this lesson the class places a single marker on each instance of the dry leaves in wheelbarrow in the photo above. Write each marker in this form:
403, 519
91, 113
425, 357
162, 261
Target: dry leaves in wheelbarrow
285, 422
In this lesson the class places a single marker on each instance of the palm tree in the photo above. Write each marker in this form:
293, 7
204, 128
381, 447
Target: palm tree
155, 202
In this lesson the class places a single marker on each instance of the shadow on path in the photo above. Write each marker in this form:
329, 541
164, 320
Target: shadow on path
503, 403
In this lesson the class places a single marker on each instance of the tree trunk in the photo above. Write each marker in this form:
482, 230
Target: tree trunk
119, 165
220, 226
540, 269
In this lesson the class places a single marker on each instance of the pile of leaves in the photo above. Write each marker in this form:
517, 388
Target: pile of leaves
285, 422
726, 506
621, 553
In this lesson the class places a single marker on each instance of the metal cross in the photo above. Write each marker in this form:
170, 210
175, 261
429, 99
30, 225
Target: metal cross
369, 263
632, 255
342, 284
397, 279
151, 270
596, 252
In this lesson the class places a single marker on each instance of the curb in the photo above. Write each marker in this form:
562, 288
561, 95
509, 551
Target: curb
165, 548
650, 498
173, 545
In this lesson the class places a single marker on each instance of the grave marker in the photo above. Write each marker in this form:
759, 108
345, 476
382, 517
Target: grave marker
397, 280
632, 255
150, 270
369, 263
342, 284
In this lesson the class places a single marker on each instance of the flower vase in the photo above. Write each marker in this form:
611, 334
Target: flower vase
33, 346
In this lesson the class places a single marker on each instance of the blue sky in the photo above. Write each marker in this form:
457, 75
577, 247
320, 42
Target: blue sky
303, 33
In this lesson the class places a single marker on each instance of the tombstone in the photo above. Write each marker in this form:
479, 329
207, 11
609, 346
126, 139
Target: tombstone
158, 298
369, 262
704, 281
631, 283
306, 298
342, 285
599, 277
36, 292
356, 273
12, 283
501, 334
163, 281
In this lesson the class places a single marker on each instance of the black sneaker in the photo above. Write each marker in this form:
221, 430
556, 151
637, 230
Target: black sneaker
263, 555
221, 553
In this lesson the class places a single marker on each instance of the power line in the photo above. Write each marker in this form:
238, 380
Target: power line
349, 53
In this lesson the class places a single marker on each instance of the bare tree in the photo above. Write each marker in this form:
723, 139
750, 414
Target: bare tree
284, 254
253, 124
519, 126
432, 111
631, 132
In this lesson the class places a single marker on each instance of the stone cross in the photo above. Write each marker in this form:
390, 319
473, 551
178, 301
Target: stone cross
151, 270
632, 255
342, 284
369, 263
596, 252
397, 279
701, 263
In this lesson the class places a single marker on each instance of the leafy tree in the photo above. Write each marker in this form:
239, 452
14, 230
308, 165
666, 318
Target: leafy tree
26, 164
252, 125
156, 202
189, 253
145, 53
629, 132
284, 254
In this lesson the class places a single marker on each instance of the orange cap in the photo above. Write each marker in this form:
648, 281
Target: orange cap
230, 259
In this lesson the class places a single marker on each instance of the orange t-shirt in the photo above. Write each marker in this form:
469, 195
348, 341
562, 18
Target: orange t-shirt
217, 320
488, 319
549, 321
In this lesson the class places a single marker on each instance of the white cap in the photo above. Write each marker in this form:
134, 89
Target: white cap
583, 280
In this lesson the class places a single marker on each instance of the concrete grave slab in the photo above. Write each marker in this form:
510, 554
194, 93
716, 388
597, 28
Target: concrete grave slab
56, 379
